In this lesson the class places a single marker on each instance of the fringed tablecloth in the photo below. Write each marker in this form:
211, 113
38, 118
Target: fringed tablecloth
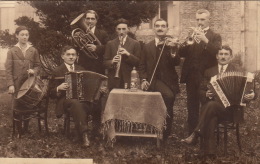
126, 110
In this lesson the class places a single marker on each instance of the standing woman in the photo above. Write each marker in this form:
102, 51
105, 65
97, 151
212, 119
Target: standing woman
22, 61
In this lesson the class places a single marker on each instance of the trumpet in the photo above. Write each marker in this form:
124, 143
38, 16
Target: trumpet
120, 56
83, 36
191, 39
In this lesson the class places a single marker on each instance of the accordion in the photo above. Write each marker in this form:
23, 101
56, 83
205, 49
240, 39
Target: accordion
84, 85
230, 87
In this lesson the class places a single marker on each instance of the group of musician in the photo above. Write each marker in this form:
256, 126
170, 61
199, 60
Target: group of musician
204, 58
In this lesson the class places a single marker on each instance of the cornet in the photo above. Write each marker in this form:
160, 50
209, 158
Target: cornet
191, 39
120, 57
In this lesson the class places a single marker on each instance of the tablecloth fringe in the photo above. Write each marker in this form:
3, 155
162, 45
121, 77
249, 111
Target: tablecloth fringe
126, 126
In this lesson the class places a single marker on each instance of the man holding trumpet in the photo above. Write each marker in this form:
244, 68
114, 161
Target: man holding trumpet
121, 55
199, 52
157, 69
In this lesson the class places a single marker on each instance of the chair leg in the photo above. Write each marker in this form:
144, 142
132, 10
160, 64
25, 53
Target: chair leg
225, 139
201, 143
67, 124
218, 135
46, 122
39, 122
238, 138
14, 127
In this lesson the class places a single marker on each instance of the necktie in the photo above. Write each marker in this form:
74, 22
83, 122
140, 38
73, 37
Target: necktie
71, 68
221, 69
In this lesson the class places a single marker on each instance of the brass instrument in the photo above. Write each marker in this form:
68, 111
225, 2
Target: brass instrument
83, 36
191, 39
120, 57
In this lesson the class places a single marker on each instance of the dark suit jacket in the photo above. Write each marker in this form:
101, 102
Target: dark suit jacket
237, 115
166, 67
17, 64
61, 95
127, 62
95, 65
200, 56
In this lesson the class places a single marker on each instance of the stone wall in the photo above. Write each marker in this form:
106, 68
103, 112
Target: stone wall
225, 20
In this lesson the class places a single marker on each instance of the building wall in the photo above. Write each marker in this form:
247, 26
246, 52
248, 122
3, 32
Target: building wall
236, 21
225, 19
252, 37
10, 11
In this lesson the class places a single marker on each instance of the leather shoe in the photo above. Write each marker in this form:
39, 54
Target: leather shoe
86, 142
192, 139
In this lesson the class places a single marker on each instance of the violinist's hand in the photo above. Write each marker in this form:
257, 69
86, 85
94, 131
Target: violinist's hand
172, 42
63, 87
92, 47
116, 59
30, 71
145, 85
249, 96
123, 51
11, 89
209, 94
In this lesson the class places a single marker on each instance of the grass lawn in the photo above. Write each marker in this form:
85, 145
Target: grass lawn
126, 149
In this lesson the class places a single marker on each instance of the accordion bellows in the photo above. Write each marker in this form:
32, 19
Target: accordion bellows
230, 87
84, 85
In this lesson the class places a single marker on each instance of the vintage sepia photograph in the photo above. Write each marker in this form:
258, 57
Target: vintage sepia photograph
129, 82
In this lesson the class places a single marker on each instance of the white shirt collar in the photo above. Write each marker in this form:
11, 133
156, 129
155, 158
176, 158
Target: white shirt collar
224, 67
157, 40
124, 39
28, 45
93, 29
68, 66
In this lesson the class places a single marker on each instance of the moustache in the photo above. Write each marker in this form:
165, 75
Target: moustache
159, 30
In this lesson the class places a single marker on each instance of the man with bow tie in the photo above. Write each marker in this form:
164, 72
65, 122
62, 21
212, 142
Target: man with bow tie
165, 79
123, 50
212, 110
198, 57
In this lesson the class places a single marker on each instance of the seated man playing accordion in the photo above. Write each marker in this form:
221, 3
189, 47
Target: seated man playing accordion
76, 108
212, 110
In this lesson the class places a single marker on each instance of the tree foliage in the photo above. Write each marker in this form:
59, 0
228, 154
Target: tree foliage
54, 30
57, 15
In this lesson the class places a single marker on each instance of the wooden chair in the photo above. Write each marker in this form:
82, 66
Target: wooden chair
40, 112
226, 125
67, 120
223, 127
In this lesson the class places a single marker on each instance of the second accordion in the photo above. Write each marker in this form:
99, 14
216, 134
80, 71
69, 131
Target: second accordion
84, 85
230, 87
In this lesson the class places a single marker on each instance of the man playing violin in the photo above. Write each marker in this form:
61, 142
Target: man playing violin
163, 79
198, 57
